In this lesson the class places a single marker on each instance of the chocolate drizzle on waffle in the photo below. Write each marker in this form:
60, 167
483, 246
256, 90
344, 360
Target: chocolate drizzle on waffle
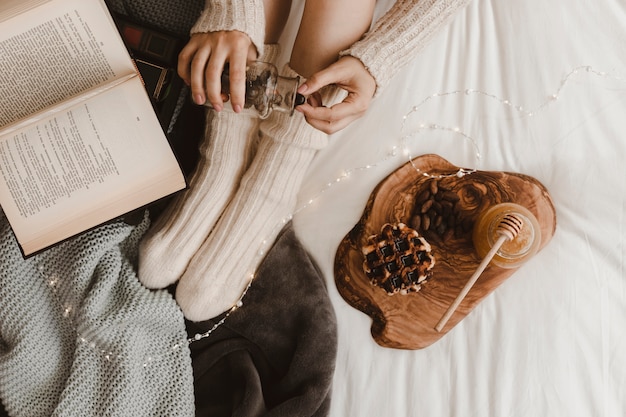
398, 259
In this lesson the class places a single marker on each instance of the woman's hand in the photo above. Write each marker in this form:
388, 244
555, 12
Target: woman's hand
349, 74
202, 60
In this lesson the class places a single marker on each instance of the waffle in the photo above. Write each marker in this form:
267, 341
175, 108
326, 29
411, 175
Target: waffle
398, 260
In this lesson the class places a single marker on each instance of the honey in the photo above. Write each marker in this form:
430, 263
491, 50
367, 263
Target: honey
514, 252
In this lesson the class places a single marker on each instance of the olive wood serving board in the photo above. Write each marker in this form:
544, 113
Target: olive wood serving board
407, 321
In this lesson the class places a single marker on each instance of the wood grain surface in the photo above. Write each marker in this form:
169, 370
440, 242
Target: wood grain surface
407, 321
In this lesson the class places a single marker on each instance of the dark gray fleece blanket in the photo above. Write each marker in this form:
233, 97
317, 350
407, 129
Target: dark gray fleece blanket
275, 356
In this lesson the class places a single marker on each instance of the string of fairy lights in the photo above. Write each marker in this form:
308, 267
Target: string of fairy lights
67, 310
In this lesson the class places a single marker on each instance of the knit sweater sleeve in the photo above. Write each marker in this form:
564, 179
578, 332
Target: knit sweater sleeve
400, 34
246, 16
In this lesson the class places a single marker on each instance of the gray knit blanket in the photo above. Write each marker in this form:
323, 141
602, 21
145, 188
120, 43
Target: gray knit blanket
80, 336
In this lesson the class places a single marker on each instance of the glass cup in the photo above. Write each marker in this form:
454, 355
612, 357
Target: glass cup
514, 252
267, 91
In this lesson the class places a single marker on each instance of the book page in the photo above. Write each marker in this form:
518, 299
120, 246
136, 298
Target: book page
84, 166
10, 8
54, 52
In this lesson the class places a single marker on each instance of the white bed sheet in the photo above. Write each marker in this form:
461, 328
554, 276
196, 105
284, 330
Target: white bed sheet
550, 341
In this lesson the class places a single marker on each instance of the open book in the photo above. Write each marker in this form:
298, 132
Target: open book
80, 143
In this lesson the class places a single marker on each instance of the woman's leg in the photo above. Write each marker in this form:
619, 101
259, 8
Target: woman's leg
276, 15
220, 271
226, 150
327, 28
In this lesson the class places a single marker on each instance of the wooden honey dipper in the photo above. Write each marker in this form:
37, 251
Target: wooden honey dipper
508, 228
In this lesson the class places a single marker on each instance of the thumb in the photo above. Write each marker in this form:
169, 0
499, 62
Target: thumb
319, 80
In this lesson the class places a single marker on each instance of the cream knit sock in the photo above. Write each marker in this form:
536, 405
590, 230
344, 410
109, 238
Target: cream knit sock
220, 271
227, 148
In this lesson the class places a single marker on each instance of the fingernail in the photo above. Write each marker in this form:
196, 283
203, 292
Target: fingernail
237, 108
198, 99
303, 88
300, 100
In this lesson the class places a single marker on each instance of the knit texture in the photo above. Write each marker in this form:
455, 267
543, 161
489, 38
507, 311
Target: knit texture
219, 272
80, 336
392, 42
245, 16
400, 34
221, 269
175, 16
227, 148
188, 220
